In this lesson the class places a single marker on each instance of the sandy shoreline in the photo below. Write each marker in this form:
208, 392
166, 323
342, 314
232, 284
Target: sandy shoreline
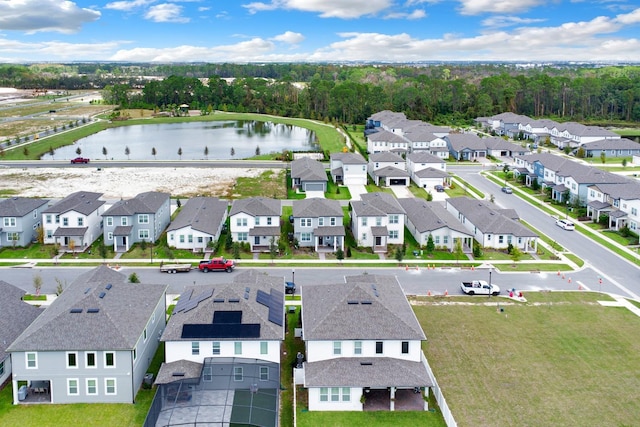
121, 182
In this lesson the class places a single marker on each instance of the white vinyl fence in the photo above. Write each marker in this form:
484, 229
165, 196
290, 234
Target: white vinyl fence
446, 412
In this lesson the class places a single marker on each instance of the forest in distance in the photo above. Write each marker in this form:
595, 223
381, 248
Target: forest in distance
448, 94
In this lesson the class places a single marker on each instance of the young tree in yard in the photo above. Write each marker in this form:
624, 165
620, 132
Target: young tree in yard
61, 285
40, 234
37, 283
143, 246
624, 163
257, 150
180, 152
127, 152
430, 245
233, 152
339, 254
398, 255
516, 254
236, 250
102, 249
228, 243
25, 151
51, 152
273, 248
2, 153
603, 157
133, 278
154, 152
72, 247
104, 152
78, 151
178, 203
458, 251
206, 153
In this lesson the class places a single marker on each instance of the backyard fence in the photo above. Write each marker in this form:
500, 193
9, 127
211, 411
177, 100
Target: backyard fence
442, 402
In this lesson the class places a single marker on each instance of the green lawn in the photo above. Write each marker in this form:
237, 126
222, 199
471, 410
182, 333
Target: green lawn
559, 360
35, 250
370, 419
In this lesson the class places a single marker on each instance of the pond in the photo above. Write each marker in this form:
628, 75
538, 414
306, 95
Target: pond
224, 140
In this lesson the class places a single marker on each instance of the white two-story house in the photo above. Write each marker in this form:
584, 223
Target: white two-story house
318, 223
198, 224
377, 220
256, 220
427, 170
348, 168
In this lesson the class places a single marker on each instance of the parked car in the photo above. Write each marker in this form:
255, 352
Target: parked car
289, 288
79, 160
439, 188
565, 224
216, 264
507, 190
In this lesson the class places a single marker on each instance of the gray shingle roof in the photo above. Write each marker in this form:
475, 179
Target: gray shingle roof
376, 204
386, 156
483, 215
203, 214
308, 169
327, 315
349, 158
20, 206
612, 144
629, 190
316, 207
387, 115
16, 316
496, 143
256, 206
83, 202
252, 311
431, 173
430, 216
374, 372
149, 202
390, 171
461, 141
70, 231
385, 136
424, 157
187, 369
123, 313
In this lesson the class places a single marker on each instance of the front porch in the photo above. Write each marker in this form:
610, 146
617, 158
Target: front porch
329, 239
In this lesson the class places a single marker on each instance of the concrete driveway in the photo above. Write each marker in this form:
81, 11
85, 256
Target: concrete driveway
401, 192
356, 191
314, 194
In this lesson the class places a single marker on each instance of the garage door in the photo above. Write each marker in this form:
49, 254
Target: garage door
313, 187
398, 181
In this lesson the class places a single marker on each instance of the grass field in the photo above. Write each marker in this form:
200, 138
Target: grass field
559, 360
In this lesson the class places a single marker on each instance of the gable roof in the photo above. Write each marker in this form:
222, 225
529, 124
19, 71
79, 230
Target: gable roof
349, 158
383, 135
149, 202
390, 171
424, 157
376, 204
461, 141
496, 143
83, 202
316, 207
220, 298
431, 173
20, 206
17, 315
629, 190
329, 311
611, 144
430, 216
203, 214
386, 156
308, 169
256, 206
483, 215
123, 311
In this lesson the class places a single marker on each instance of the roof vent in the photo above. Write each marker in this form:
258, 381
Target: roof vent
178, 374
218, 300
352, 302
101, 295
93, 310
86, 291
366, 363
366, 302
109, 286
233, 300
75, 310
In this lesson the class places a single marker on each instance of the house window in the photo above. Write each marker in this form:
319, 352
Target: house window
57, 219
144, 335
72, 359
190, 238
48, 219
13, 236
2, 368
364, 236
181, 238
143, 219
237, 373
32, 360
357, 347
445, 240
92, 386
65, 221
243, 237
9, 222
109, 359
335, 394
393, 219
634, 211
333, 220
264, 373
436, 240
364, 221
123, 220
241, 222
268, 220
215, 347
109, 221
500, 239
237, 347
195, 348
305, 222
346, 394
378, 221
264, 347
143, 234
72, 386
324, 394
109, 236
405, 347
320, 222
207, 374
305, 237
200, 239
393, 234
337, 347
110, 386
257, 220
80, 222
91, 360
379, 347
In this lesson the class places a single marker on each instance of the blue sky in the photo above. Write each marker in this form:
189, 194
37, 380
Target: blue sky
319, 30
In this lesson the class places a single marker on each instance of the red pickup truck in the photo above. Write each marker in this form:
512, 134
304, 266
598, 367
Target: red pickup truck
79, 160
216, 264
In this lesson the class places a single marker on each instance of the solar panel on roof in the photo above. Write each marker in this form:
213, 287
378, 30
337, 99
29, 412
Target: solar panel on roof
227, 317
109, 286
75, 310
233, 300
218, 300
204, 295
276, 317
86, 291
102, 294
263, 298
190, 306
233, 330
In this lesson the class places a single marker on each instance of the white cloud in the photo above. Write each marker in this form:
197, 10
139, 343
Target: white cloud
499, 21
35, 16
475, 7
167, 12
203, 8
629, 18
128, 5
416, 14
58, 50
289, 37
325, 8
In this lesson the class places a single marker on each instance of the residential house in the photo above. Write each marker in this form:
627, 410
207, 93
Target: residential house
377, 220
223, 340
388, 168
348, 168
256, 220
492, 227
384, 140
386, 120
198, 224
427, 170
620, 202
75, 222
573, 135
318, 223
465, 146
20, 218
498, 147
93, 344
426, 219
537, 130
622, 147
142, 218
504, 123
362, 341
17, 315
308, 174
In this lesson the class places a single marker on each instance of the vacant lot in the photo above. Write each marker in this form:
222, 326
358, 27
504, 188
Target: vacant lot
560, 360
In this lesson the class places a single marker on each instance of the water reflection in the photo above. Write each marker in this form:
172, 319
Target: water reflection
195, 140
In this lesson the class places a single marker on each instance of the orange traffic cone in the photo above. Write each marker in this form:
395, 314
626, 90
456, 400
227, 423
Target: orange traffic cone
428, 293
446, 293
569, 279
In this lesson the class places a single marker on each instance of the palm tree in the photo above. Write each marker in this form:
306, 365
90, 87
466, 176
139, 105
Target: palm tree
78, 151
